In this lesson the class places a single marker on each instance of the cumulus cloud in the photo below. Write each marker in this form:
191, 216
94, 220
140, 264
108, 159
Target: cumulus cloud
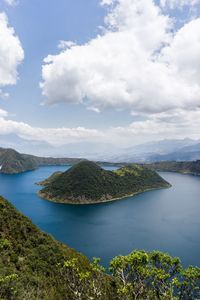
173, 124
3, 113
66, 44
138, 63
54, 136
11, 52
178, 3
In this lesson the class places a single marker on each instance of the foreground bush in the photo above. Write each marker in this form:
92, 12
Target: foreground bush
154, 275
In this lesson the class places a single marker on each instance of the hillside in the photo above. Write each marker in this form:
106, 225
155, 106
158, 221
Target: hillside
13, 162
87, 183
35, 266
192, 168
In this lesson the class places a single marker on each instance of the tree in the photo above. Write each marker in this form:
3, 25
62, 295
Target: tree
80, 281
154, 275
189, 284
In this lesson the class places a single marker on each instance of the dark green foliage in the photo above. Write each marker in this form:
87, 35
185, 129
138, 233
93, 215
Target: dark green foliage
189, 283
87, 182
31, 263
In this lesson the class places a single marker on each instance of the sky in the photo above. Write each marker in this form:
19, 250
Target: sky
121, 72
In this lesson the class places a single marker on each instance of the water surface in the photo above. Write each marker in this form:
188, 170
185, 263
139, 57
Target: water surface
167, 219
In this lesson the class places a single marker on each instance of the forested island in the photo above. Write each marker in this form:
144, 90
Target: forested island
87, 183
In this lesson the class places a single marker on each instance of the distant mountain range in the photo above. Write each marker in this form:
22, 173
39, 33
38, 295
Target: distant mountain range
88, 150
164, 150
13, 162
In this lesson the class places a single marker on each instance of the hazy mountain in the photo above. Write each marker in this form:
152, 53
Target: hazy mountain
161, 150
166, 149
175, 156
25, 146
89, 150
193, 148
163, 146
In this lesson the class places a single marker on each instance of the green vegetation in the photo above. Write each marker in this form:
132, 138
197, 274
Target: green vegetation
87, 182
190, 167
34, 266
50, 179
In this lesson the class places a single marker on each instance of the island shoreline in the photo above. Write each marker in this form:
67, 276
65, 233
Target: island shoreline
70, 202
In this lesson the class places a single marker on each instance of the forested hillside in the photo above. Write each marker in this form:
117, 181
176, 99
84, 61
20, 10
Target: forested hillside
87, 182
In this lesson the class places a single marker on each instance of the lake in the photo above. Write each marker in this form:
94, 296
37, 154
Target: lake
166, 220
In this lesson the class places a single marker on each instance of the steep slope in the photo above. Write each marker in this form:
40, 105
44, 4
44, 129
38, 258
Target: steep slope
13, 162
87, 182
35, 266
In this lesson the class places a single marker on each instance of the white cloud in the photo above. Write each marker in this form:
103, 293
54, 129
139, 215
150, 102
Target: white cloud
11, 52
54, 136
136, 64
3, 113
107, 2
173, 124
65, 44
184, 54
178, 3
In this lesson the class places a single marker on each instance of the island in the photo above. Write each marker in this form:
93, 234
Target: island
88, 183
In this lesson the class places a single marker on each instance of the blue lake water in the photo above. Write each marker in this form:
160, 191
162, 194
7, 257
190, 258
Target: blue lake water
166, 220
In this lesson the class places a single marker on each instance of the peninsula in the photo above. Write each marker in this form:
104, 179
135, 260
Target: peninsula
88, 183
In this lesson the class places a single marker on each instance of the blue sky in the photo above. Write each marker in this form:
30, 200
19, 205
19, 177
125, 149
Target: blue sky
40, 25
101, 84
